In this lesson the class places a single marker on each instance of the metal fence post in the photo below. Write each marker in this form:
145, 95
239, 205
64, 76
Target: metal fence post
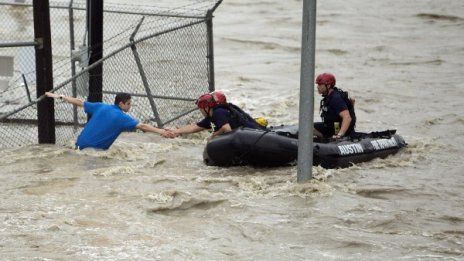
73, 62
210, 56
95, 19
306, 109
44, 70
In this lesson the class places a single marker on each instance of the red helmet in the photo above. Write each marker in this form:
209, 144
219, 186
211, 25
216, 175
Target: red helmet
326, 78
205, 101
219, 97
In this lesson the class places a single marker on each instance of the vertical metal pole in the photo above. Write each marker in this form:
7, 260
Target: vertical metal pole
44, 70
73, 62
210, 56
306, 113
95, 16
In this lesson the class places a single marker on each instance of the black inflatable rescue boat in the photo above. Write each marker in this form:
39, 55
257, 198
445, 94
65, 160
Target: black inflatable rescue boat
279, 147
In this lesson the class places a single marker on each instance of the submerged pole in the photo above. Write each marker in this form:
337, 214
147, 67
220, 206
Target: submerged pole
306, 109
210, 56
95, 29
44, 71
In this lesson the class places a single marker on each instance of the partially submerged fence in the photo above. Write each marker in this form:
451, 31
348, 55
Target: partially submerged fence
162, 55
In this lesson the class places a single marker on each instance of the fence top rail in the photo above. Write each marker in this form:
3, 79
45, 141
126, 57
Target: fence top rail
113, 8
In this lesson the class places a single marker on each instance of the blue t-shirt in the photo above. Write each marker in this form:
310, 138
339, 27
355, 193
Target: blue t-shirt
105, 125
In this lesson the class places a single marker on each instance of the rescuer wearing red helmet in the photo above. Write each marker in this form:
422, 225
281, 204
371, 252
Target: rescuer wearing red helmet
219, 115
337, 110
219, 97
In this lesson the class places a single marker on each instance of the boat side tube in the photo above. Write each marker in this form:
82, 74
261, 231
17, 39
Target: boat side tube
246, 146
345, 153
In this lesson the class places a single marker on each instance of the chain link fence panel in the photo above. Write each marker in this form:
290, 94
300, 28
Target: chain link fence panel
160, 55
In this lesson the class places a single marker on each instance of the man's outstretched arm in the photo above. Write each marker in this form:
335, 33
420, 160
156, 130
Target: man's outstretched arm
148, 128
74, 101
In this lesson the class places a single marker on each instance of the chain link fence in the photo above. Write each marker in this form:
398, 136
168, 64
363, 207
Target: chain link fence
161, 55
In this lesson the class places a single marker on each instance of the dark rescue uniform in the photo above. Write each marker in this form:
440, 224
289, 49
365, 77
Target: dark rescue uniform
231, 114
330, 108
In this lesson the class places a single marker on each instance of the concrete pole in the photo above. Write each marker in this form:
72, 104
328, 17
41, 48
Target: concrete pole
306, 110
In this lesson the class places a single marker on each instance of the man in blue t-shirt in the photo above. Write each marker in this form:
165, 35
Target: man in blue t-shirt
337, 113
220, 116
107, 121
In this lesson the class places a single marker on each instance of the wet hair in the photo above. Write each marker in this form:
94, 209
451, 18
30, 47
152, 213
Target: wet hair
121, 97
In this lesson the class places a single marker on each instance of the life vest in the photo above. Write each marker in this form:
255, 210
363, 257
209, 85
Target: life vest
239, 118
336, 119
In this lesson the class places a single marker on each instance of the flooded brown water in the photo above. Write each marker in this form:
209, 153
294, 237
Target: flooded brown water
149, 198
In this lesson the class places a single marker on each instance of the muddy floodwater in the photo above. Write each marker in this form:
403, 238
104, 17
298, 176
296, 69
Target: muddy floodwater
149, 198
